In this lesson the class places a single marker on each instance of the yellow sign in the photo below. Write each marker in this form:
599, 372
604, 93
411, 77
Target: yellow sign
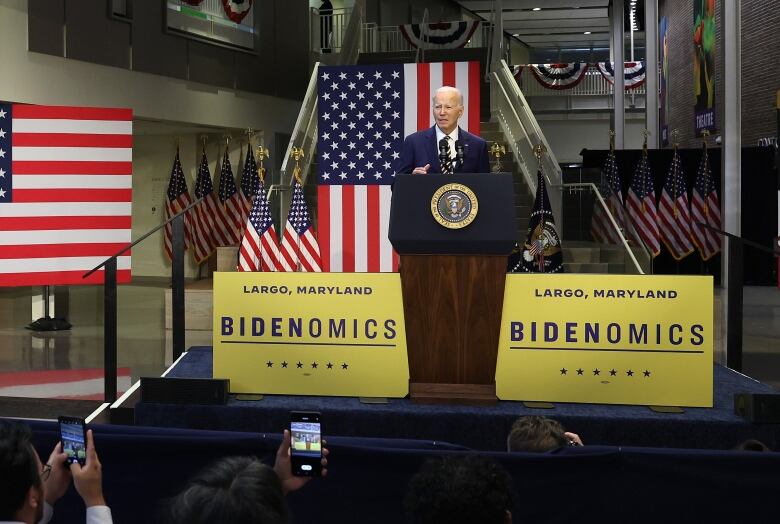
334, 334
611, 339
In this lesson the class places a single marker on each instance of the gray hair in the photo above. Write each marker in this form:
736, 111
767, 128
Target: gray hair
448, 89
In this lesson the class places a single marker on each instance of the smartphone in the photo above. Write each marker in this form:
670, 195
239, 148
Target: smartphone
73, 438
306, 452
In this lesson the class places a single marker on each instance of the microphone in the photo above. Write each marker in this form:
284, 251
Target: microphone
444, 151
460, 153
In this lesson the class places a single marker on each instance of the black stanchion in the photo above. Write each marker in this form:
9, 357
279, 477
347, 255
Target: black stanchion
177, 284
735, 304
109, 330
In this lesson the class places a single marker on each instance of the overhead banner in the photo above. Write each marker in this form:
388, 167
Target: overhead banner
608, 339
333, 334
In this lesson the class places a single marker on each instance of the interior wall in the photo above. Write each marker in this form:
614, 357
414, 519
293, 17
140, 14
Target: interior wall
150, 96
567, 137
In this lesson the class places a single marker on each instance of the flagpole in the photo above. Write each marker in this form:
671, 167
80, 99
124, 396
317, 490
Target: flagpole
297, 154
262, 154
539, 150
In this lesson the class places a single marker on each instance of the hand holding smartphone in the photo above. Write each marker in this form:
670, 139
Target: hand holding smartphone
306, 443
73, 438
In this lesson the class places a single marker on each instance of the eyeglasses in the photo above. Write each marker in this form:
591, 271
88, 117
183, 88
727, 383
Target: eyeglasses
45, 472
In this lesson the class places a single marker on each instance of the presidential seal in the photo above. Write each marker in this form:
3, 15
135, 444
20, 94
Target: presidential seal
454, 206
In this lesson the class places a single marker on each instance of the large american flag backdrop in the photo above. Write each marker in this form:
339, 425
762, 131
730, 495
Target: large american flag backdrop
65, 192
364, 114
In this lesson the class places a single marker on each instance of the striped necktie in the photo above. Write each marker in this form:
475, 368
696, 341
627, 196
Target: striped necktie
446, 167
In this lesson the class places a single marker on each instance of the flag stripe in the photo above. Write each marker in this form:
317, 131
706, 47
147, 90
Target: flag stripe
70, 154
361, 229
323, 224
374, 235
425, 102
91, 127
62, 223
73, 277
71, 140
38, 209
23, 251
69, 236
73, 181
30, 167
37, 265
22, 111
448, 74
410, 99
22, 196
388, 258
423, 87
473, 109
348, 227
336, 229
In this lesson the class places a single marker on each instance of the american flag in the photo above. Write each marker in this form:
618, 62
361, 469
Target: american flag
65, 193
202, 220
674, 219
299, 250
600, 225
177, 198
705, 207
250, 183
259, 249
230, 201
364, 114
640, 204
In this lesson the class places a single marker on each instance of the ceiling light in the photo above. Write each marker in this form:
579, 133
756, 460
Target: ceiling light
516, 35
536, 9
586, 33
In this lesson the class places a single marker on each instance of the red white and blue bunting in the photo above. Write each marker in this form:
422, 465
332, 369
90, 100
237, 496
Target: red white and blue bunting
633, 73
236, 10
559, 76
442, 35
517, 70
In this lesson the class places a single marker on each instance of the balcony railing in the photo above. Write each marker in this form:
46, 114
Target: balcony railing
593, 84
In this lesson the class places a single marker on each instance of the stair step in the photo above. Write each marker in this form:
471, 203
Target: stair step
578, 267
582, 255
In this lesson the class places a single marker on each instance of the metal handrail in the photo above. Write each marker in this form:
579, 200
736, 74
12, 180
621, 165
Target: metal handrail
591, 186
353, 35
517, 121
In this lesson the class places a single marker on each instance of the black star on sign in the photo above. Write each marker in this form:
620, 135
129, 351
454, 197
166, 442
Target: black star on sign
563, 371
284, 364
596, 372
612, 372
330, 366
630, 373
344, 366
299, 365
314, 365
646, 373
269, 364
580, 371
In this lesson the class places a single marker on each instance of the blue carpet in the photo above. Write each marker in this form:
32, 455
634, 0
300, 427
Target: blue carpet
482, 428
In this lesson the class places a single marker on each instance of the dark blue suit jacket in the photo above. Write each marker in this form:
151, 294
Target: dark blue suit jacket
421, 148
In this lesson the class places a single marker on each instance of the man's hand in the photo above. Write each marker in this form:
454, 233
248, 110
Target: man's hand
283, 465
89, 479
55, 486
573, 439
421, 170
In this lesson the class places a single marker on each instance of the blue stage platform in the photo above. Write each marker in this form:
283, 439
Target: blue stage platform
483, 428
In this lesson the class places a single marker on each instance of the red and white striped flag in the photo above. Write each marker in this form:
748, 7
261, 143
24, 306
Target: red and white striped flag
705, 207
202, 219
299, 250
600, 225
230, 200
260, 246
640, 204
365, 112
65, 193
177, 198
674, 219
250, 182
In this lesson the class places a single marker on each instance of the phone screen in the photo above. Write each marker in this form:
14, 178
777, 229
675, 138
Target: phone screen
74, 443
306, 452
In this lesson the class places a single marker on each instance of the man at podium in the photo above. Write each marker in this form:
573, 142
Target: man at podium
445, 147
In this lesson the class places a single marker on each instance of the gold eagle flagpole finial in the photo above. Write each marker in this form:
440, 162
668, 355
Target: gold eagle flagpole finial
497, 150
262, 154
297, 154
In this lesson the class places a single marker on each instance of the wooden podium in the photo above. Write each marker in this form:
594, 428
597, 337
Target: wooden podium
453, 285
